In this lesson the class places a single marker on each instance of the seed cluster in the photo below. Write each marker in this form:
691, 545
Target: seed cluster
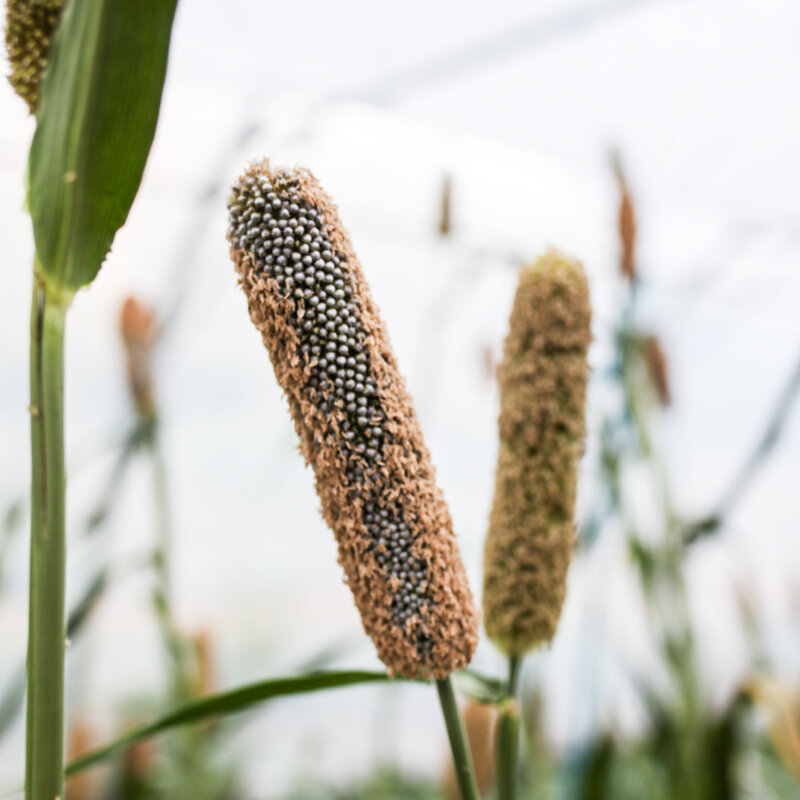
542, 401
29, 29
283, 224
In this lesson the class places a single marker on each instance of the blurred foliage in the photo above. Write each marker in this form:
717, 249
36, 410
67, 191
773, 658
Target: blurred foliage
385, 784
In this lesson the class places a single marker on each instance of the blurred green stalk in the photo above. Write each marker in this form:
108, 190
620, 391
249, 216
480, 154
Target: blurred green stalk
462, 760
507, 736
44, 768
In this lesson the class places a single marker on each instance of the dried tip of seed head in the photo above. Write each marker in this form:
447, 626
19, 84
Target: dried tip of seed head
358, 429
30, 25
542, 398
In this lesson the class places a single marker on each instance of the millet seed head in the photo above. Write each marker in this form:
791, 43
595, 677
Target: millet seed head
30, 25
357, 426
542, 402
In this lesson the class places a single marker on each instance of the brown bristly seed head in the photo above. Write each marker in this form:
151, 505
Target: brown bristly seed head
357, 426
543, 381
30, 25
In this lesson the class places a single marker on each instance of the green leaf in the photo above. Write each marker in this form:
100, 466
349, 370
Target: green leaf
97, 116
490, 691
230, 702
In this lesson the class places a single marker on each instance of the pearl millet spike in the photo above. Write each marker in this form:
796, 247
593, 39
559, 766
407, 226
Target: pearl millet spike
30, 25
357, 426
542, 400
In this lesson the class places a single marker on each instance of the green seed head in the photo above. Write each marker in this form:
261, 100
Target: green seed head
358, 429
542, 399
30, 25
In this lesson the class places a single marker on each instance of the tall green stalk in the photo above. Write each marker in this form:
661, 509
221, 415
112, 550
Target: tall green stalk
462, 760
44, 768
507, 737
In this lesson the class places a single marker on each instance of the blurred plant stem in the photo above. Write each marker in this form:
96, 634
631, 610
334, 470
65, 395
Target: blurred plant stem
661, 564
139, 330
186, 766
44, 770
462, 760
507, 735
181, 679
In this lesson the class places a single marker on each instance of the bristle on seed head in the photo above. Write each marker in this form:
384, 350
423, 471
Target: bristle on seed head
542, 399
357, 426
30, 25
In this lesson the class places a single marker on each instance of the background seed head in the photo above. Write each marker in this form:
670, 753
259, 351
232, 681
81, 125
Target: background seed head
30, 25
358, 429
542, 404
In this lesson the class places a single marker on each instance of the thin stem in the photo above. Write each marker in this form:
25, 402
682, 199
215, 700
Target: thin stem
163, 522
177, 647
44, 769
507, 737
462, 761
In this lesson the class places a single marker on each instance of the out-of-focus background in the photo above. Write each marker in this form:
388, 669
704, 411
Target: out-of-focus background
459, 140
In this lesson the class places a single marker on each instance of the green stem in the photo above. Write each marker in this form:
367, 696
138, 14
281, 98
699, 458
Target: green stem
177, 648
462, 761
44, 767
514, 667
163, 522
507, 737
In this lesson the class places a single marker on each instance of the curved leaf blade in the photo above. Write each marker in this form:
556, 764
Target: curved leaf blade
99, 106
230, 702
482, 689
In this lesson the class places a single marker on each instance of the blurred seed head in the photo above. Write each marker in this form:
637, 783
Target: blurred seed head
626, 223
543, 381
139, 332
80, 740
204, 660
446, 206
30, 25
358, 428
139, 763
779, 704
657, 370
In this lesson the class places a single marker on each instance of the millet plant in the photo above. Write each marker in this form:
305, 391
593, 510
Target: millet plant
543, 380
358, 430
95, 120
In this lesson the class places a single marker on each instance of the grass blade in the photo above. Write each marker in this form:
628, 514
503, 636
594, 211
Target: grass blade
480, 688
233, 701
99, 105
